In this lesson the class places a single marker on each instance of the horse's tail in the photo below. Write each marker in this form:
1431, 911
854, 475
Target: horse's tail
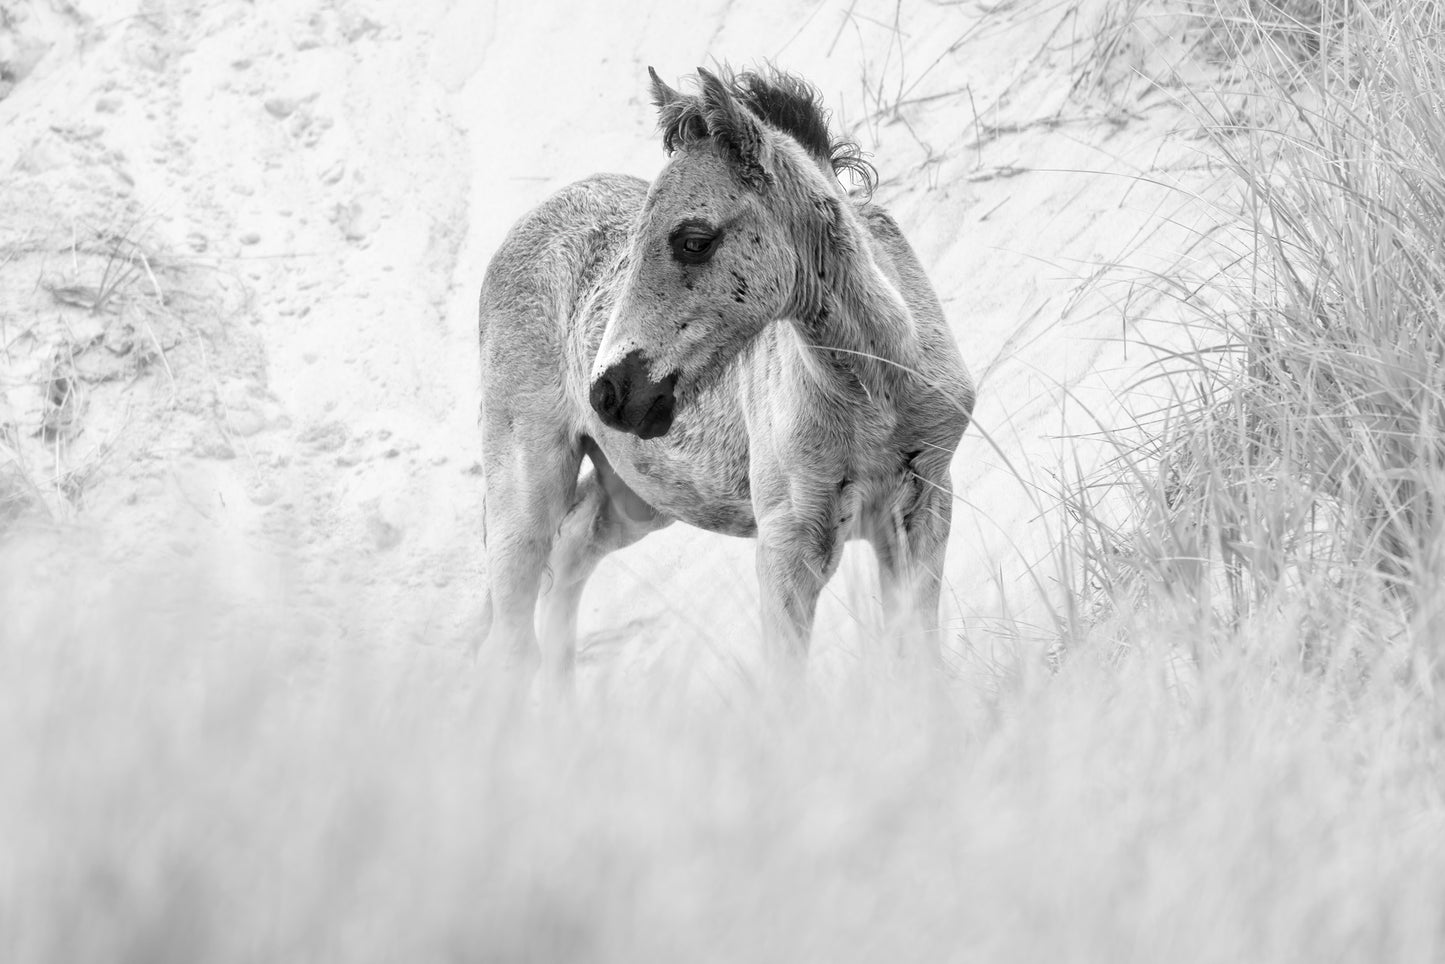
480, 638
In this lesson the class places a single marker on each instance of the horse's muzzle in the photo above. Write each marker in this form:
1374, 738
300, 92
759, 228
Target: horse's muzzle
629, 400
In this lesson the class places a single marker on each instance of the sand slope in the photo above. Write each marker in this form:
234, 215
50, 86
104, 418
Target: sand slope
243, 242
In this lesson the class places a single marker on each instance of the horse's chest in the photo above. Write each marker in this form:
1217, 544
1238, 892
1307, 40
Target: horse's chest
698, 474
703, 491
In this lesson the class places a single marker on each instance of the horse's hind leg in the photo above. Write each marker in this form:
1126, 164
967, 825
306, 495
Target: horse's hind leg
605, 517
531, 476
910, 550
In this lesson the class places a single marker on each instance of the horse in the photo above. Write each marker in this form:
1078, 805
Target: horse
744, 346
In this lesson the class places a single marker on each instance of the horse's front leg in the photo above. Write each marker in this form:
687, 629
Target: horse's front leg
530, 479
800, 540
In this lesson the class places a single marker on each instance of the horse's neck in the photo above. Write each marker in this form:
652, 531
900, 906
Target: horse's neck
864, 333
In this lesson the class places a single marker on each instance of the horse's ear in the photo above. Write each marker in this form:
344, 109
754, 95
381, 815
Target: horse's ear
733, 126
674, 113
662, 95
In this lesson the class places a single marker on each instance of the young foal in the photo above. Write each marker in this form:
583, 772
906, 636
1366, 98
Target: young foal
739, 346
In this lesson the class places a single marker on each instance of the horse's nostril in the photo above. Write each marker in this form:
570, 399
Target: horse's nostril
657, 420
629, 400
604, 395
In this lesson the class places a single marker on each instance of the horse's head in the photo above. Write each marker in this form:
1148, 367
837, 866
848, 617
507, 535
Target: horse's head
731, 238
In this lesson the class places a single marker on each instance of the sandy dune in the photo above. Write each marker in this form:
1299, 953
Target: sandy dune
242, 246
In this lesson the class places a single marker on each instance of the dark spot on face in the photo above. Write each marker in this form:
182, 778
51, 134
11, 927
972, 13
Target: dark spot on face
682, 326
740, 287
688, 284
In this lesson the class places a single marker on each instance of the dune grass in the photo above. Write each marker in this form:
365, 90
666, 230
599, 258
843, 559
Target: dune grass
1242, 762
1298, 460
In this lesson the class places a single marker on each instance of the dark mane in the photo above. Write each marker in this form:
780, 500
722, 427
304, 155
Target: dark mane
785, 103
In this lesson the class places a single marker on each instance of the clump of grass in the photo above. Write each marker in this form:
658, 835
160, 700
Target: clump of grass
85, 328
1301, 459
1293, 31
1199, 49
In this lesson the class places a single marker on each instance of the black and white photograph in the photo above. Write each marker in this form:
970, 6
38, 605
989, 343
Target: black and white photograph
726, 482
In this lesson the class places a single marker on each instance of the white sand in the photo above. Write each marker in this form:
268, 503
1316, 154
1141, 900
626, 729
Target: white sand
282, 392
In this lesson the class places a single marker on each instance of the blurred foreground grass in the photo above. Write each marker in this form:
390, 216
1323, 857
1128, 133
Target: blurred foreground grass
180, 785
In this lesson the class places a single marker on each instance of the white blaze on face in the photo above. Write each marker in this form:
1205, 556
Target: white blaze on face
613, 348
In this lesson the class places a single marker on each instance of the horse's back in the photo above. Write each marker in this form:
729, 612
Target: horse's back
551, 264
940, 360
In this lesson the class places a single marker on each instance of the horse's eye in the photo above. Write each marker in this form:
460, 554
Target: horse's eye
693, 243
